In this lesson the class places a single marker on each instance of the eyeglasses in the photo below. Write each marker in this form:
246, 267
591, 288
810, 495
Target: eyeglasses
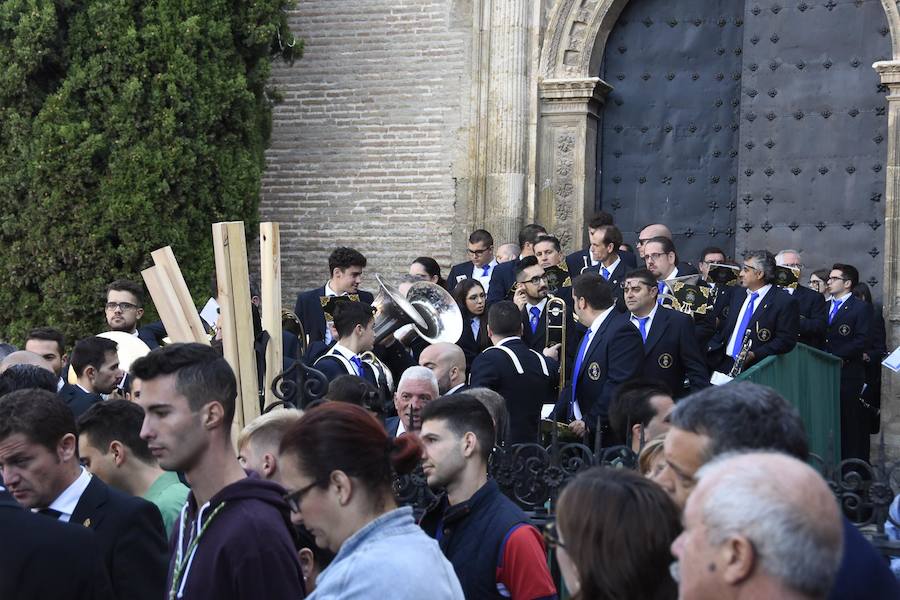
294, 499
655, 256
551, 536
830, 279
479, 252
123, 306
536, 280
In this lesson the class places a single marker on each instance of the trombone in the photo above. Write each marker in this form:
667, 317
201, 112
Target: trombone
556, 332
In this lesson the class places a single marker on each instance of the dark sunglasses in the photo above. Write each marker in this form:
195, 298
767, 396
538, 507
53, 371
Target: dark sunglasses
294, 498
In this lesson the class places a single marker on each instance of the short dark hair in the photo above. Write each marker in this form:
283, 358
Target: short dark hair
23, 377
344, 258
39, 415
711, 250
481, 236
849, 271
594, 289
667, 244
202, 375
505, 319
644, 275
48, 334
347, 315
821, 274
611, 235
742, 416
355, 390
600, 219
767, 260
524, 263
552, 239
126, 285
464, 413
119, 420
631, 404
530, 234
91, 352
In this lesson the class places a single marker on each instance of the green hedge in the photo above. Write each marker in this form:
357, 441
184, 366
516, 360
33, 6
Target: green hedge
125, 126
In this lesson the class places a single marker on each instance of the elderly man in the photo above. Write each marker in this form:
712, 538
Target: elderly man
418, 386
507, 252
759, 525
743, 416
448, 363
811, 304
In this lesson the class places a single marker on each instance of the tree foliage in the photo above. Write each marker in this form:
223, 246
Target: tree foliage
125, 126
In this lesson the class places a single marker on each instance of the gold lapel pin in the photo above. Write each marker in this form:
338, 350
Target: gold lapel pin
87, 522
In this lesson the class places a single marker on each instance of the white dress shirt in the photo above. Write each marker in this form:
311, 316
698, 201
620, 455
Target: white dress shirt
636, 323
611, 267
576, 410
485, 280
328, 293
66, 502
738, 336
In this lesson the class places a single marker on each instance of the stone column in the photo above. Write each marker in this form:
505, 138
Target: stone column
889, 71
506, 118
567, 156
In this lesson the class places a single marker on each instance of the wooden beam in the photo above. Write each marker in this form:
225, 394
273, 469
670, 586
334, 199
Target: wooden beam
233, 281
166, 301
270, 267
164, 259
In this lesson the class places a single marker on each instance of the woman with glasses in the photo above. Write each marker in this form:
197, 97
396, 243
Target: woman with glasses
818, 281
619, 548
427, 269
472, 302
338, 463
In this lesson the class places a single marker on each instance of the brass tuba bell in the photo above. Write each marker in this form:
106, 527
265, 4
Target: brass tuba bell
428, 307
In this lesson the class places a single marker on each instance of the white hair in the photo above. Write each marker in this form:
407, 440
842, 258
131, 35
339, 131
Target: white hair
779, 258
419, 374
792, 541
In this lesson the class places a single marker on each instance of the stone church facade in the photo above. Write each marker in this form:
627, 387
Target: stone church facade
408, 123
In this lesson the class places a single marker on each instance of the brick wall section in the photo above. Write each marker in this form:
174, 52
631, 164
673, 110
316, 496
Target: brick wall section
365, 140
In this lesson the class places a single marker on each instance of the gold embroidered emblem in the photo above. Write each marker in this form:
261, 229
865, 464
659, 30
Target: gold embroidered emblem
844, 329
665, 360
764, 335
594, 371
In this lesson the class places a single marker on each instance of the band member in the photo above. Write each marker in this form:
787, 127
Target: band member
767, 312
672, 354
713, 255
355, 325
481, 263
470, 298
503, 278
531, 298
849, 320
585, 260
812, 305
662, 260
659, 230
525, 378
345, 268
610, 353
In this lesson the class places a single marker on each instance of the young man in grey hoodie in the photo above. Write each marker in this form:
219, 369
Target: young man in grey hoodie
234, 537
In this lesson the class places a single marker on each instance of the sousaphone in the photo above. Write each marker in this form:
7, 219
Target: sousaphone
428, 307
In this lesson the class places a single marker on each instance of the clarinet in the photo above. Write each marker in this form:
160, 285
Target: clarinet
742, 355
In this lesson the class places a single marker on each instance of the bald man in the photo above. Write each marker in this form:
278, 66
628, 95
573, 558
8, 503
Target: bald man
24, 357
448, 363
759, 525
659, 230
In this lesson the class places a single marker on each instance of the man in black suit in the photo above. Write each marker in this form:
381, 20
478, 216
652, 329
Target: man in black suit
582, 261
355, 327
51, 345
659, 230
503, 277
448, 363
417, 387
525, 378
610, 353
671, 352
124, 309
769, 313
481, 264
68, 554
39, 457
95, 361
531, 299
849, 321
345, 268
812, 305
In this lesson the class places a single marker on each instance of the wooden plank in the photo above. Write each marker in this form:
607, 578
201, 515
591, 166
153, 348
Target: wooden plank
164, 258
243, 319
270, 267
167, 305
226, 315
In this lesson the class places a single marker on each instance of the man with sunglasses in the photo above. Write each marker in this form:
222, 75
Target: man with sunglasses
481, 261
767, 312
849, 320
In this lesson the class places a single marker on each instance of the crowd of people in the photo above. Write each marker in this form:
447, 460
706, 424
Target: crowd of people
138, 482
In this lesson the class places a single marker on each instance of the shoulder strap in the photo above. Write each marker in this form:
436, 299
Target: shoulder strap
340, 358
512, 357
543, 362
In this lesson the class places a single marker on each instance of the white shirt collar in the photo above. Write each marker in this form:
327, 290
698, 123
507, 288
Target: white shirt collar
66, 502
400, 427
343, 351
331, 292
454, 388
600, 318
60, 383
673, 274
651, 314
540, 305
613, 266
506, 339
761, 291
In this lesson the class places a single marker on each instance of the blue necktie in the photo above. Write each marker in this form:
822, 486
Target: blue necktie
578, 359
485, 269
748, 314
605, 273
661, 287
358, 364
642, 326
535, 318
476, 327
835, 306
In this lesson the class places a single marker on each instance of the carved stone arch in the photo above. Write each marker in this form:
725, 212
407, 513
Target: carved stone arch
576, 37
893, 18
